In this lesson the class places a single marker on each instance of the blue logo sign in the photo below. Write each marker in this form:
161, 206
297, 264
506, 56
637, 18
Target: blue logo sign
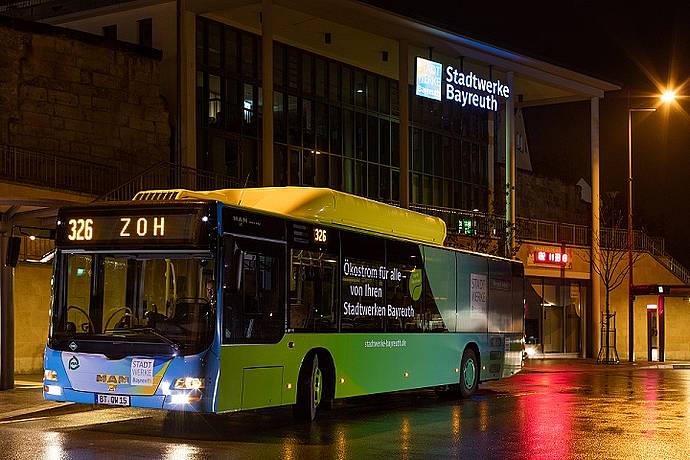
428, 81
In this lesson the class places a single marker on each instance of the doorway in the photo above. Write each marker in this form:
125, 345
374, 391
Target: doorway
553, 329
652, 333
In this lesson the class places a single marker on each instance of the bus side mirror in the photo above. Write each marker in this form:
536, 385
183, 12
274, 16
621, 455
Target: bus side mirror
14, 244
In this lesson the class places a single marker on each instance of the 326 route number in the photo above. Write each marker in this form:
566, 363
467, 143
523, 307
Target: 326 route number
320, 235
80, 229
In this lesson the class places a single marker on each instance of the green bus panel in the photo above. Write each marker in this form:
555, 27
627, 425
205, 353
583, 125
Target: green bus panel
261, 387
365, 363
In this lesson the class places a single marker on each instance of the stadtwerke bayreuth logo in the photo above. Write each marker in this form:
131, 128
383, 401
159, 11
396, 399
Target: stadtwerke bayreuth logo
428, 82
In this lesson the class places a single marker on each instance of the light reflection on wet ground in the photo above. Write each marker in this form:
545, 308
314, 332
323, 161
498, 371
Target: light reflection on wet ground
549, 412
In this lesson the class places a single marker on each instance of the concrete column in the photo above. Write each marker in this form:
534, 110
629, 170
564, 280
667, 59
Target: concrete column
403, 83
267, 84
490, 162
6, 318
187, 72
510, 169
595, 252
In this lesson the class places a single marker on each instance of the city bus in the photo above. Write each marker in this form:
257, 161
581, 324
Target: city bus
237, 299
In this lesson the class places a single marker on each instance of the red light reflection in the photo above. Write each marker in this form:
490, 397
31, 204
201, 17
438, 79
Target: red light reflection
546, 418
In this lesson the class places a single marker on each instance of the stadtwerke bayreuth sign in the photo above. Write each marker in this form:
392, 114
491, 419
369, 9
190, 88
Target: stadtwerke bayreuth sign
467, 89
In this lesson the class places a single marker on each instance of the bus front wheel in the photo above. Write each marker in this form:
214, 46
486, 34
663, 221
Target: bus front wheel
309, 389
469, 373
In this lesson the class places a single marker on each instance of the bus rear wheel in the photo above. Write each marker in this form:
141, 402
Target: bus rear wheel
309, 389
469, 373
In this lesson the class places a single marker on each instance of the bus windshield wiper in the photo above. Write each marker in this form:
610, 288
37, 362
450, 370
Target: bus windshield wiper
155, 333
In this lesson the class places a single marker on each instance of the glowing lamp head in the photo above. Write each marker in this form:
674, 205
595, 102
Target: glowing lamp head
668, 96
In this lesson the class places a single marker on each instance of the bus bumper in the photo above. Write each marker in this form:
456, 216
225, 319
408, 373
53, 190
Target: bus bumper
179, 401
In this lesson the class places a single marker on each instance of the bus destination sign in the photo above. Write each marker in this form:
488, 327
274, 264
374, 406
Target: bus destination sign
98, 228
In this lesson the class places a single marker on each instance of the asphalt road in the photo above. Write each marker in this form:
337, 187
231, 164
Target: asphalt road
557, 411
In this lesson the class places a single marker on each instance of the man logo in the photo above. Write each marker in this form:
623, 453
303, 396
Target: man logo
73, 363
112, 380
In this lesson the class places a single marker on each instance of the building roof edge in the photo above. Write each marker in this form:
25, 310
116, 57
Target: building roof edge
499, 52
22, 25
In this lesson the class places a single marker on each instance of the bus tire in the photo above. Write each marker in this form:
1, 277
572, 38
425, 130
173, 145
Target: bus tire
309, 389
469, 373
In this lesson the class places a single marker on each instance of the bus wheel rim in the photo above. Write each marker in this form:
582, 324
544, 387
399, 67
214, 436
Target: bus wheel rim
317, 386
469, 373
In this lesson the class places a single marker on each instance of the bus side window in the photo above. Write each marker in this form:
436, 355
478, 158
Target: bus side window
231, 287
313, 290
254, 291
405, 287
362, 283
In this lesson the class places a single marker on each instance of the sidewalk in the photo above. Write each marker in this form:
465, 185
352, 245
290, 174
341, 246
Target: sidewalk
26, 399
590, 364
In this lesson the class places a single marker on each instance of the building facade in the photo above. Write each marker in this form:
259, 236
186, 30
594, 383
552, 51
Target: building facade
364, 101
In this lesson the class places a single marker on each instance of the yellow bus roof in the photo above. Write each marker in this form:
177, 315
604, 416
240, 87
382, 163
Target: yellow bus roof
321, 205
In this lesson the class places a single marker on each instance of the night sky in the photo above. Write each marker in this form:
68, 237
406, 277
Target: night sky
642, 49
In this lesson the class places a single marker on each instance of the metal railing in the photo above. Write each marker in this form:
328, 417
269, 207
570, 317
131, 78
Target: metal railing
34, 250
483, 225
44, 170
165, 175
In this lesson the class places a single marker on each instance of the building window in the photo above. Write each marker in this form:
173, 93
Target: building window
335, 124
145, 32
110, 32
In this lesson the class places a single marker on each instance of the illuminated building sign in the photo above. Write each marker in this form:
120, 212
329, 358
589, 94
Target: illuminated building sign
549, 257
429, 76
467, 89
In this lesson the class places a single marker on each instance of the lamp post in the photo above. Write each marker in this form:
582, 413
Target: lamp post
631, 323
666, 98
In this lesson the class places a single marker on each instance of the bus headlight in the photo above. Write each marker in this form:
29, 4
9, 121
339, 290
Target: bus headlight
180, 399
50, 375
189, 383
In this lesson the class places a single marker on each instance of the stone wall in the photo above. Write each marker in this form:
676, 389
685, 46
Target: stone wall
73, 94
540, 197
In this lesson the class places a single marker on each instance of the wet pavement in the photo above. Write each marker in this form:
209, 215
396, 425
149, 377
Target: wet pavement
552, 410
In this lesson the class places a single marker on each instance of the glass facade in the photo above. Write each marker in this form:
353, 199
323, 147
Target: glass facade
335, 125
553, 313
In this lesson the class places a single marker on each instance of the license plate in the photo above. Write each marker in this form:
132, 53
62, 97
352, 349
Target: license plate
112, 400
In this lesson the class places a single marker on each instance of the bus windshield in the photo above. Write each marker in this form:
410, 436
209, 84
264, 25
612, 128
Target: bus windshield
157, 304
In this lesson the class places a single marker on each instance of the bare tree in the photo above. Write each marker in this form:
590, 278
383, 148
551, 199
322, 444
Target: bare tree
609, 261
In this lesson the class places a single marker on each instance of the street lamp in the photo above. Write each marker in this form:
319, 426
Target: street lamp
668, 96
